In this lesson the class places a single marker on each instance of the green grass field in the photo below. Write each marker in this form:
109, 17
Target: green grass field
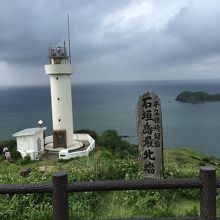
106, 164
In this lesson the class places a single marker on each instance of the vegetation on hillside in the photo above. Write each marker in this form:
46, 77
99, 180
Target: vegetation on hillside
113, 159
197, 97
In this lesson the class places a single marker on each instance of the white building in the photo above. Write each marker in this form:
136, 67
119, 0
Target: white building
30, 142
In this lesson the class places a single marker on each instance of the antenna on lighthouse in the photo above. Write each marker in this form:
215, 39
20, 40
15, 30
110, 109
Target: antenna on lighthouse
68, 23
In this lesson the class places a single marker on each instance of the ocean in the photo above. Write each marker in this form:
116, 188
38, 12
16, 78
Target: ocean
112, 106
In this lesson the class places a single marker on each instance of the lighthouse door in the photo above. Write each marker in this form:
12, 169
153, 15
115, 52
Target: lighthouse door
59, 139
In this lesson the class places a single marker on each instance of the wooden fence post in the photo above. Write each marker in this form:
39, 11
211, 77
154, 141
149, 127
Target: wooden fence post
60, 196
208, 193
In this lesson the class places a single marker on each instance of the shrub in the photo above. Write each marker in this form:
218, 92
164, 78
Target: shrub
110, 139
190, 193
106, 154
193, 212
202, 163
93, 134
120, 148
25, 160
16, 155
206, 159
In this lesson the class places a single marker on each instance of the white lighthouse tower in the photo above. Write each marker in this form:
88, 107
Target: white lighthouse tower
64, 141
60, 70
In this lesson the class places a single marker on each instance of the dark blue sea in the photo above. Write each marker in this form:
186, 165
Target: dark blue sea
112, 106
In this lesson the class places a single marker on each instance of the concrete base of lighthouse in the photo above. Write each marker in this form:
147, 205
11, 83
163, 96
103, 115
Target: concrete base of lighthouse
83, 144
76, 145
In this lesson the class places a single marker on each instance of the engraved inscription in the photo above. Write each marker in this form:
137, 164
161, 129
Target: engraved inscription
150, 136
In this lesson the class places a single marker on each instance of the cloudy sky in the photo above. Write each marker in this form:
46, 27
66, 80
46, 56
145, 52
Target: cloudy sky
112, 40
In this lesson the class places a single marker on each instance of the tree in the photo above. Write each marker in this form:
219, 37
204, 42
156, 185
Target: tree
112, 141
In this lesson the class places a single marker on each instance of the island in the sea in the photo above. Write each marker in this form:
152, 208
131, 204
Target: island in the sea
197, 97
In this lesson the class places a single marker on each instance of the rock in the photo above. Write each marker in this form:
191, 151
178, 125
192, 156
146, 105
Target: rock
25, 172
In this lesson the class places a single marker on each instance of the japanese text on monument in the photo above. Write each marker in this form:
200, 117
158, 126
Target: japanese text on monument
150, 137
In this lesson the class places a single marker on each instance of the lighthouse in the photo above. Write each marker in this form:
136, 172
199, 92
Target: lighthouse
59, 71
63, 143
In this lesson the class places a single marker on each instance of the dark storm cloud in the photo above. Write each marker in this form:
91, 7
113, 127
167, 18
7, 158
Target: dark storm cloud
196, 30
27, 27
124, 39
192, 35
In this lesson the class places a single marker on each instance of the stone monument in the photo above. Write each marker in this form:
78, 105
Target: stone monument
150, 135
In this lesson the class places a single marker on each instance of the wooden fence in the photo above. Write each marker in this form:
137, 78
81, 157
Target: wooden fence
207, 183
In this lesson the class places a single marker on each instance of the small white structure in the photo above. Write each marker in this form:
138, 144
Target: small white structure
30, 142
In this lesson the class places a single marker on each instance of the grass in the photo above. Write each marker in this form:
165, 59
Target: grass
102, 165
189, 156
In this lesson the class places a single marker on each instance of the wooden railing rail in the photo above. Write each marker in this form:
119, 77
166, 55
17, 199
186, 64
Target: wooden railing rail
25, 188
144, 184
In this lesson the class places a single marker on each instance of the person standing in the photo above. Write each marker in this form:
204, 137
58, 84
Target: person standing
8, 156
5, 149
